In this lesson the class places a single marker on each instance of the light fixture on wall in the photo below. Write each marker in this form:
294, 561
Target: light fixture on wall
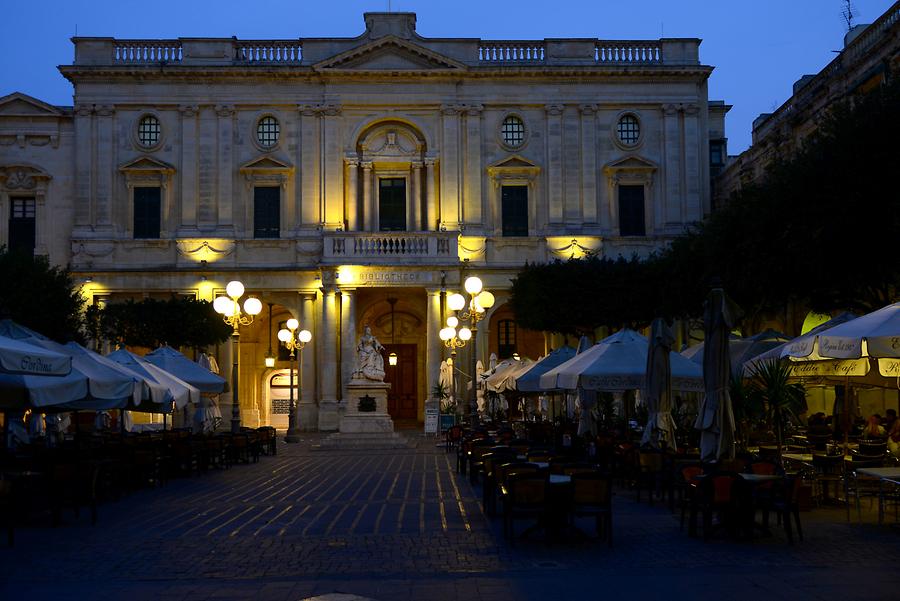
270, 358
392, 357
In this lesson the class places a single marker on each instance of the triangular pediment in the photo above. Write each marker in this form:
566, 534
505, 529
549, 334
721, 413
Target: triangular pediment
630, 163
266, 163
389, 53
19, 104
146, 164
513, 161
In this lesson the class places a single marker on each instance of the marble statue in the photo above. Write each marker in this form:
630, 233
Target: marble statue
369, 362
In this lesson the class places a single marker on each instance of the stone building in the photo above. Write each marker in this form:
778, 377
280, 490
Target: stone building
870, 55
353, 181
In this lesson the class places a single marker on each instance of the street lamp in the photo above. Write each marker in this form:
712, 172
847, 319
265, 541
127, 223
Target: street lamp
293, 340
229, 308
480, 300
454, 339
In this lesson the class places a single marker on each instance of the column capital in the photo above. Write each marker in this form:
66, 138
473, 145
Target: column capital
84, 110
351, 161
106, 110
691, 109
307, 110
225, 110
451, 109
587, 109
366, 165
554, 109
473, 110
670, 109
417, 164
188, 110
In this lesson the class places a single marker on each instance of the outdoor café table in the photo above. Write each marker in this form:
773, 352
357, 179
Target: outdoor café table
887, 476
542, 465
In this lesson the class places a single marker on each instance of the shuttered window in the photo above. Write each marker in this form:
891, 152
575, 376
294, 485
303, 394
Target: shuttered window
21, 225
266, 212
147, 212
631, 211
514, 201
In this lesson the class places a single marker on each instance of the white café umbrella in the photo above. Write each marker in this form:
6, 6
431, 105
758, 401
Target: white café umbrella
167, 389
106, 387
528, 380
17, 357
503, 377
616, 364
184, 369
660, 428
741, 350
716, 417
207, 416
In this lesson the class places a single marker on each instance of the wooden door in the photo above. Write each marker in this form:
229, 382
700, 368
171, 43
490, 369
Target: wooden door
402, 403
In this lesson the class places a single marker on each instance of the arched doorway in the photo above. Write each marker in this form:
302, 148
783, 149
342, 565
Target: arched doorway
397, 319
278, 394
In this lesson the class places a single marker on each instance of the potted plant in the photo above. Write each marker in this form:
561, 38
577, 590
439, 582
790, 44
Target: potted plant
770, 387
441, 393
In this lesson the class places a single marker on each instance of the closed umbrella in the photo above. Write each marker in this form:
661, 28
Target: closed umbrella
207, 416
660, 428
716, 418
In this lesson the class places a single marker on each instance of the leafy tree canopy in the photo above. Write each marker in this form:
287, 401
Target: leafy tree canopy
40, 296
820, 230
178, 322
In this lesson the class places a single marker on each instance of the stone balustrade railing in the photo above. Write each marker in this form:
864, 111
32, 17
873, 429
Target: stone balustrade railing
269, 51
390, 247
147, 51
207, 52
511, 51
637, 52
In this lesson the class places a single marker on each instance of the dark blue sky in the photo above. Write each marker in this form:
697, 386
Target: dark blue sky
758, 47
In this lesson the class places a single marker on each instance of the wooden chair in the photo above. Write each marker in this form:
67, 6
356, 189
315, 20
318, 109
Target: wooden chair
717, 492
785, 503
648, 474
524, 496
592, 496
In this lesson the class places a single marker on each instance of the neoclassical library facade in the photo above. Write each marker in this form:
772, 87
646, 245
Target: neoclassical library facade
355, 181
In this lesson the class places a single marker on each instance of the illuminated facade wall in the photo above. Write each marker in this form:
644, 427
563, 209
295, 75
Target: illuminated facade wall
332, 174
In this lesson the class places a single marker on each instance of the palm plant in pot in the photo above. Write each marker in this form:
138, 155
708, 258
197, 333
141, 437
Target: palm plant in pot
770, 386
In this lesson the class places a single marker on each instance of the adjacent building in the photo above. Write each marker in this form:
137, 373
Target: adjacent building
355, 181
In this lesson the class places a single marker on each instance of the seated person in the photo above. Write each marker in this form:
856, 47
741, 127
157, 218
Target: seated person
893, 439
873, 428
889, 418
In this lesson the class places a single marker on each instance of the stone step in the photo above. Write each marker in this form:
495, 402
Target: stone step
363, 440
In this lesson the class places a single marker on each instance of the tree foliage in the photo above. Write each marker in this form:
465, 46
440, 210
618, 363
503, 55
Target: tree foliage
820, 230
40, 296
178, 322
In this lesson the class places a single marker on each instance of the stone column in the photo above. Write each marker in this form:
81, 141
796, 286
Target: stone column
472, 200
370, 214
348, 337
224, 202
104, 166
450, 168
328, 365
431, 197
207, 213
332, 167
415, 213
84, 141
693, 202
433, 343
307, 407
589, 167
311, 214
672, 162
554, 163
352, 187
188, 166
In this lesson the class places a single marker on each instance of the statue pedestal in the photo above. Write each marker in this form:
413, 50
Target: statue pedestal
366, 423
366, 408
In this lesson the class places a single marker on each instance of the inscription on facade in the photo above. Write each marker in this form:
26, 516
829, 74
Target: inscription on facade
394, 277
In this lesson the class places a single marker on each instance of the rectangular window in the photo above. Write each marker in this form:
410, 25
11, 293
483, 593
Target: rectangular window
506, 338
21, 225
631, 211
266, 212
392, 204
147, 212
514, 208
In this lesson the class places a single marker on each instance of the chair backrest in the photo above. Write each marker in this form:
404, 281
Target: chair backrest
518, 467
650, 461
718, 487
591, 488
732, 465
454, 433
867, 461
764, 468
689, 473
828, 464
527, 488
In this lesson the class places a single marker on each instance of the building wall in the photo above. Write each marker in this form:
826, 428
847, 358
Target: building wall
388, 102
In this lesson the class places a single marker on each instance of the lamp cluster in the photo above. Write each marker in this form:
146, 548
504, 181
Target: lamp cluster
292, 339
480, 300
229, 307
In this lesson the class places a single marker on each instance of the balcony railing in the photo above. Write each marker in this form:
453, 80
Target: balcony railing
636, 52
511, 51
147, 51
386, 247
269, 51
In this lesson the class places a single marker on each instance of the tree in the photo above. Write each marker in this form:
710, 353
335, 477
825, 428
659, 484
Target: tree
177, 321
40, 296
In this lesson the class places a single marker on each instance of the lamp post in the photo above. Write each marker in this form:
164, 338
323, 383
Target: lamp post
229, 307
454, 339
294, 340
480, 300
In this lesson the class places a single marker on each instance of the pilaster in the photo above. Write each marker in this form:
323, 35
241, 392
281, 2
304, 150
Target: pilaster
225, 208
207, 215
348, 337
188, 171
311, 207
472, 209
84, 142
589, 167
328, 365
415, 210
693, 203
333, 167
308, 407
431, 197
554, 163
104, 165
672, 164
352, 208
450, 167
433, 343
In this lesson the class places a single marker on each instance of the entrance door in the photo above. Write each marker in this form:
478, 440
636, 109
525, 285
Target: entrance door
402, 377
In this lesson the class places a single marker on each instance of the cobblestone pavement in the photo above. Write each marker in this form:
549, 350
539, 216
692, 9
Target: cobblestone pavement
401, 525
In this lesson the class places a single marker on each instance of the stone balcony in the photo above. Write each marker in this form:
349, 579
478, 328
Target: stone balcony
390, 248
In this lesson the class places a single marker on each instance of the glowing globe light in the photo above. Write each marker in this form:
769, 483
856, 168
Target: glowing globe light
234, 289
465, 334
292, 324
452, 321
223, 305
485, 299
456, 302
252, 306
305, 336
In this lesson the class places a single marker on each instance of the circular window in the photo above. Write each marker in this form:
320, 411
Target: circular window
512, 131
149, 131
267, 130
628, 130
